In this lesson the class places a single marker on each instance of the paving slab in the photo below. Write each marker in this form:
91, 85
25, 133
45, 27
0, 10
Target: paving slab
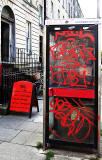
40, 103
38, 119
7, 134
12, 121
39, 128
34, 114
27, 126
34, 111
18, 152
28, 138
31, 126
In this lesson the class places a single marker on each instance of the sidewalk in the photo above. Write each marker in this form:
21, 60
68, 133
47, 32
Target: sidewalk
19, 136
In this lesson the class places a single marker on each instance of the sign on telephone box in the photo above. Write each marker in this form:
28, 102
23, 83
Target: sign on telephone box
71, 99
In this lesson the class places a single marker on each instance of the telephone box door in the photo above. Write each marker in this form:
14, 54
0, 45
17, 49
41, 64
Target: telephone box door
72, 85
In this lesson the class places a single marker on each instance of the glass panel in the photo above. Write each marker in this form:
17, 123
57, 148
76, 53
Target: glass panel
72, 59
28, 39
58, 14
29, 1
63, 3
72, 120
40, 14
72, 85
69, 9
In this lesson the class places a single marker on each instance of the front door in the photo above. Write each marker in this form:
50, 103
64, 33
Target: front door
4, 41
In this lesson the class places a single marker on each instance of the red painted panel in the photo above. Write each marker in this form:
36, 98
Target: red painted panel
21, 96
78, 93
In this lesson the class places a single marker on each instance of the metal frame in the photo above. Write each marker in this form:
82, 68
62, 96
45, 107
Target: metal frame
46, 140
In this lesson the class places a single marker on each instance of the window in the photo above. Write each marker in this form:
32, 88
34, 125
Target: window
28, 1
74, 15
66, 5
63, 3
58, 13
40, 15
28, 38
73, 2
52, 13
40, 48
69, 10
71, 13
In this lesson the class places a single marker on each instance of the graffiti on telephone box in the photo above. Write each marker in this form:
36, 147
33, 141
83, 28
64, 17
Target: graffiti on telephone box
73, 54
72, 119
72, 66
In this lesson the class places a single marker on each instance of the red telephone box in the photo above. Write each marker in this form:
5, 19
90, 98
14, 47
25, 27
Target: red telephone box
71, 107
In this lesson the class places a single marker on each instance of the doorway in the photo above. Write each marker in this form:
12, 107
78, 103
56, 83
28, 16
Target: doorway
7, 52
7, 35
4, 41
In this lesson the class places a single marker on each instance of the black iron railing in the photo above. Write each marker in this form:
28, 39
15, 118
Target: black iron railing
23, 66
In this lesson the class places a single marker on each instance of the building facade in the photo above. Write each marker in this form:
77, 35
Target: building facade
19, 27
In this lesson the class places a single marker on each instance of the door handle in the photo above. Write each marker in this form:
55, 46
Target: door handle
50, 91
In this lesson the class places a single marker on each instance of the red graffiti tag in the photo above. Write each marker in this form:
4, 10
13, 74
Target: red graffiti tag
63, 110
72, 33
71, 78
74, 53
69, 57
